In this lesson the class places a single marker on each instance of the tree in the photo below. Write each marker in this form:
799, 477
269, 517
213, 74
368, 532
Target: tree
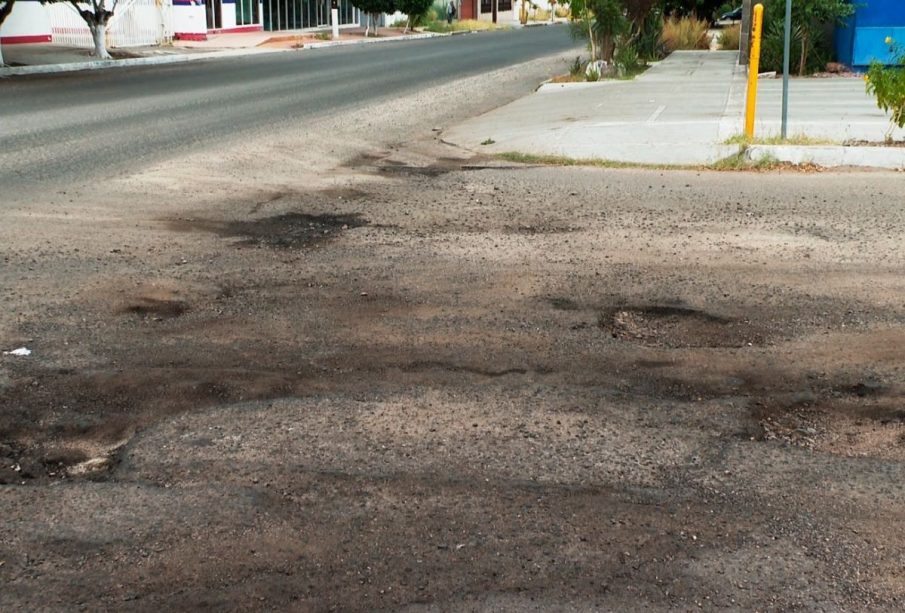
609, 22
97, 17
415, 9
6, 7
601, 21
703, 9
809, 16
373, 8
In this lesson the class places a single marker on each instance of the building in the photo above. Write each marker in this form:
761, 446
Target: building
151, 22
497, 11
863, 38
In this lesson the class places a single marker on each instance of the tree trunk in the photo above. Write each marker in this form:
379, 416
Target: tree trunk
97, 21
803, 61
5, 10
99, 33
591, 39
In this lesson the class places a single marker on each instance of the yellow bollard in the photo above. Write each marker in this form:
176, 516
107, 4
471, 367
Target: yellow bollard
753, 68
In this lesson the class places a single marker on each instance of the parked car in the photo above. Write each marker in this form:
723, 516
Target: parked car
729, 19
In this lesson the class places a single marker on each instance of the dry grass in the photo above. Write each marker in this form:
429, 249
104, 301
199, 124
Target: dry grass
685, 33
729, 38
466, 25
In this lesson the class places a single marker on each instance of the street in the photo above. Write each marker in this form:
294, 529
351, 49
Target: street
108, 121
292, 350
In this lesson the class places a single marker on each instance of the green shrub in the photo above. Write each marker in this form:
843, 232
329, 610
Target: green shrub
729, 38
811, 20
626, 59
887, 85
687, 32
771, 45
575, 67
648, 41
592, 75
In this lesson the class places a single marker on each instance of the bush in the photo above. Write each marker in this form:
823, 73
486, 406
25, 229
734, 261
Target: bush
887, 85
626, 59
415, 9
540, 15
687, 32
811, 20
562, 11
729, 38
576, 66
648, 40
465, 25
771, 50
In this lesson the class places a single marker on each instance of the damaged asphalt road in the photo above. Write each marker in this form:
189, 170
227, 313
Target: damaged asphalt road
417, 379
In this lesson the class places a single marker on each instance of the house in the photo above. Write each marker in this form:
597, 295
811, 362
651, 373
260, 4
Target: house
863, 38
151, 22
497, 11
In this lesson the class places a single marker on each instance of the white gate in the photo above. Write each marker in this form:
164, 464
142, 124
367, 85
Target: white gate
135, 23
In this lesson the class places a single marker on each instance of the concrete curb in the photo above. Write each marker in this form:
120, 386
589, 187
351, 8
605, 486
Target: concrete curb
158, 60
830, 156
366, 41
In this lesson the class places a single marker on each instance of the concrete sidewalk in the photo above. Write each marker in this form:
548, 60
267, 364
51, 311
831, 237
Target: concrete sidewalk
681, 111
671, 114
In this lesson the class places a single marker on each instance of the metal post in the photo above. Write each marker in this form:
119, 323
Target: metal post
786, 52
754, 65
334, 18
744, 34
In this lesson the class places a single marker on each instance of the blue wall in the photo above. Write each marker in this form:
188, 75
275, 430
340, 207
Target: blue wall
863, 38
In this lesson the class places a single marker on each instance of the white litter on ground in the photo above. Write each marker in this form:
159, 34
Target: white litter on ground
21, 351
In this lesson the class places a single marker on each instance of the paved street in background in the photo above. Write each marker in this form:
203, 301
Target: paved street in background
67, 127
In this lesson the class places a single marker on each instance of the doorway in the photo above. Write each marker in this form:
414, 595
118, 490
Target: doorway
214, 10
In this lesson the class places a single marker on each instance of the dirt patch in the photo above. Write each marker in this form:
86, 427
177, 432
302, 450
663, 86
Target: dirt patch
677, 327
285, 231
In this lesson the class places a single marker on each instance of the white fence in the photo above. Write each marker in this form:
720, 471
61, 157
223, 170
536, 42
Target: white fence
135, 23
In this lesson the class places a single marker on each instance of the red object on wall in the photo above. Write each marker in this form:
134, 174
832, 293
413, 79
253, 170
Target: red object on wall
20, 40
469, 9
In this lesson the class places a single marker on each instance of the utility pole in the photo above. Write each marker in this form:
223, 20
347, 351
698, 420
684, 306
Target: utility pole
786, 52
744, 41
334, 18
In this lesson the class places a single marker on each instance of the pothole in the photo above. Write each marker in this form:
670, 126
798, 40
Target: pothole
678, 327
291, 230
564, 304
157, 308
285, 231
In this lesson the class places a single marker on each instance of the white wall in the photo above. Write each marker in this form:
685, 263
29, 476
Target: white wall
27, 19
190, 19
